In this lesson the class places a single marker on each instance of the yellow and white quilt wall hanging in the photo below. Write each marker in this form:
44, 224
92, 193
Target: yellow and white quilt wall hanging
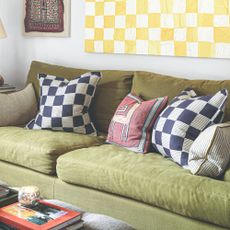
195, 28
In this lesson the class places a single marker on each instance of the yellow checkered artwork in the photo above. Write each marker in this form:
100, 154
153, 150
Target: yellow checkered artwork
195, 28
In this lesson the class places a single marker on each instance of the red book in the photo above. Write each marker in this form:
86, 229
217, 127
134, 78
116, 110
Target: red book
43, 216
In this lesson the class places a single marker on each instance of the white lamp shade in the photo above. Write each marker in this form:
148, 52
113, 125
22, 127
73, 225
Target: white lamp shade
2, 30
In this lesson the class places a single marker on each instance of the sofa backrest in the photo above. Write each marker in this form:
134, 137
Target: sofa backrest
112, 88
115, 85
150, 85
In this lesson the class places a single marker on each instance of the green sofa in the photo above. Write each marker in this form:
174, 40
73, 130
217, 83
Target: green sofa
147, 191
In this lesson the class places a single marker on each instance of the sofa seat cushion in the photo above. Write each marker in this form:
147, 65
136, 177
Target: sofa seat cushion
148, 178
226, 175
39, 149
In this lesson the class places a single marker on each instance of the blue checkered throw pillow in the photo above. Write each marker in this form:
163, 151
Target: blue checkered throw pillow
183, 120
64, 104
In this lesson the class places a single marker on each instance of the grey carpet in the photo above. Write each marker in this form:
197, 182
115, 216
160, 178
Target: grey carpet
94, 221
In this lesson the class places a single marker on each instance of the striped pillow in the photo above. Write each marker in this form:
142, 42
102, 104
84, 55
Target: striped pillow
133, 121
209, 154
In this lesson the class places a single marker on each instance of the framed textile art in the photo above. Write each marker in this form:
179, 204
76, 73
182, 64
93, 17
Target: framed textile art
195, 28
47, 18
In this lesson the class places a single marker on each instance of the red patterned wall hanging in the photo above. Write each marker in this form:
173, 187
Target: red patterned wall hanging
45, 16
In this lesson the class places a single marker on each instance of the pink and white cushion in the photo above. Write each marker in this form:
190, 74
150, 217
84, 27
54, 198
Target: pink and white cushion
132, 122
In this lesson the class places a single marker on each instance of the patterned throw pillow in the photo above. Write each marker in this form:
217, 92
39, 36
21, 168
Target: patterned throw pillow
183, 120
64, 104
130, 127
209, 154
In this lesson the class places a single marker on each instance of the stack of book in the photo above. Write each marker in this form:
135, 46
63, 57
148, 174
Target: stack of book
7, 88
4, 191
43, 216
7, 196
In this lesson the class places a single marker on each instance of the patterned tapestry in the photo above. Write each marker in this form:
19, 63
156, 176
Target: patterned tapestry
44, 16
196, 28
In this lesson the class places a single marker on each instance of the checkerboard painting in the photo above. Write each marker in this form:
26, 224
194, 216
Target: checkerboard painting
196, 28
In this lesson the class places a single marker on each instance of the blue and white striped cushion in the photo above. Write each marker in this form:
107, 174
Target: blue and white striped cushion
64, 104
209, 154
183, 120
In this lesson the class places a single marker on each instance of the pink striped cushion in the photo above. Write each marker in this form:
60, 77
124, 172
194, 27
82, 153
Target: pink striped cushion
132, 122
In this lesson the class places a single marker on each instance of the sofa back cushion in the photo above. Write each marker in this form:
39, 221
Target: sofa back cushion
150, 85
111, 89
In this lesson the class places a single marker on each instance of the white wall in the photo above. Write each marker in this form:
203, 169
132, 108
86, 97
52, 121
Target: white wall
17, 51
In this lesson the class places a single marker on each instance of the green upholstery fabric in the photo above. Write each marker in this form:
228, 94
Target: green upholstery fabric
39, 149
226, 176
112, 88
148, 178
140, 215
152, 85
17, 176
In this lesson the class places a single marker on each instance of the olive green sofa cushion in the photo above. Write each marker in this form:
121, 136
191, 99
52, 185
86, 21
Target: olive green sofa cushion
140, 215
148, 178
111, 89
152, 85
226, 176
39, 149
18, 176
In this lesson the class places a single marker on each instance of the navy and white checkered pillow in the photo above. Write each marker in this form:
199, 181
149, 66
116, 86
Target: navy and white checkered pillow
64, 104
183, 120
